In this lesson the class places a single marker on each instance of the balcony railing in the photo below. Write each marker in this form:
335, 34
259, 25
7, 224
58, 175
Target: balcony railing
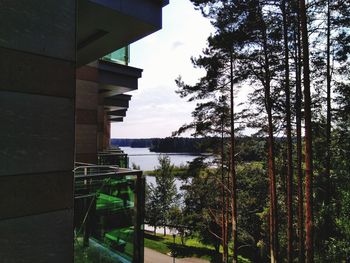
120, 56
108, 214
113, 157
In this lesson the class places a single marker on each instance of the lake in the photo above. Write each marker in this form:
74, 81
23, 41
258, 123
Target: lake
148, 160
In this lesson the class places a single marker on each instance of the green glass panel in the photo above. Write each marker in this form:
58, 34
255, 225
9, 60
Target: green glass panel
113, 158
104, 214
121, 56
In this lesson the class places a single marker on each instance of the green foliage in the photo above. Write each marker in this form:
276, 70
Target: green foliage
252, 204
250, 32
152, 206
180, 172
157, 243
135, 166
178, 222
161, 197
192, 248
200, 203
179, 145
91, 255
168, 144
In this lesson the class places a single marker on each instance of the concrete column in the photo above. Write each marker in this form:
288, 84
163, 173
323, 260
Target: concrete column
37, 98
104, 129
86, 121
107, 133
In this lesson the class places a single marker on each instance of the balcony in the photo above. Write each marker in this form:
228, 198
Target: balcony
113, 157
107, 25
108, 213
120, 56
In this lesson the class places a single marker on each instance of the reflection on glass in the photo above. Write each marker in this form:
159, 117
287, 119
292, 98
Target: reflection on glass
113, 158
106, 208
120, 56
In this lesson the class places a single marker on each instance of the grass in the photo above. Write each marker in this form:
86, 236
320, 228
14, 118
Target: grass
178, 172
192, 248
156, 243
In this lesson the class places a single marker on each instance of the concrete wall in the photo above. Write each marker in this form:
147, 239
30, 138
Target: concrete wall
104, 129
37, 135
92, 125
86, 121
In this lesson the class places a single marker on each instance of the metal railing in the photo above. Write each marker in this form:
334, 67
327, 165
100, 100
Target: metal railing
109, 210
112, 157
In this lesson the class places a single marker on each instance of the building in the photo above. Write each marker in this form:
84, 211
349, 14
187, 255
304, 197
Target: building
57, 99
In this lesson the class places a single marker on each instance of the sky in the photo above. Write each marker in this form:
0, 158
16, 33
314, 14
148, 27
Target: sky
155, 110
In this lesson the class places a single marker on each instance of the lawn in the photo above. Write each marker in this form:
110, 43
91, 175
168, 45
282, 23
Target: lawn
192, 248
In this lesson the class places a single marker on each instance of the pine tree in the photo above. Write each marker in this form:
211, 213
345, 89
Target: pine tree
165, 189
285, 11
309, 246
298, 119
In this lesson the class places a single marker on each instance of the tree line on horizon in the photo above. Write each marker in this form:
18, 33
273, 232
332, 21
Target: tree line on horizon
295, 57
165, 145
251, 148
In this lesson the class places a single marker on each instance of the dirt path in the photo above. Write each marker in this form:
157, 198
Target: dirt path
152, 256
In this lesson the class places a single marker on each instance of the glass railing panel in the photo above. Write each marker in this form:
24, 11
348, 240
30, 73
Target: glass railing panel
108, 214
113, 158
120, 56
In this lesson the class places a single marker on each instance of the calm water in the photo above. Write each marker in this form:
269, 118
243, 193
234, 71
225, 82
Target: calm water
149, 160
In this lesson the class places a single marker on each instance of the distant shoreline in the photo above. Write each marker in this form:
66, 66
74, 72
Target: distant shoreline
170, 145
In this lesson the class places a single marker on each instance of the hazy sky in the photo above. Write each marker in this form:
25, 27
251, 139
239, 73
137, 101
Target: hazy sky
155, 109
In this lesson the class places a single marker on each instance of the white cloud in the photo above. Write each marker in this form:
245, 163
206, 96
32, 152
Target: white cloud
155, 110
177, 44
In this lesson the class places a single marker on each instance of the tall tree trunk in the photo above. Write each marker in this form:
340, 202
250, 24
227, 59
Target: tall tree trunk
273, 196
233, 166
164, 227
223, 217
227, 221
298, 100
271, 155
328, 188
309, 243
289, 139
